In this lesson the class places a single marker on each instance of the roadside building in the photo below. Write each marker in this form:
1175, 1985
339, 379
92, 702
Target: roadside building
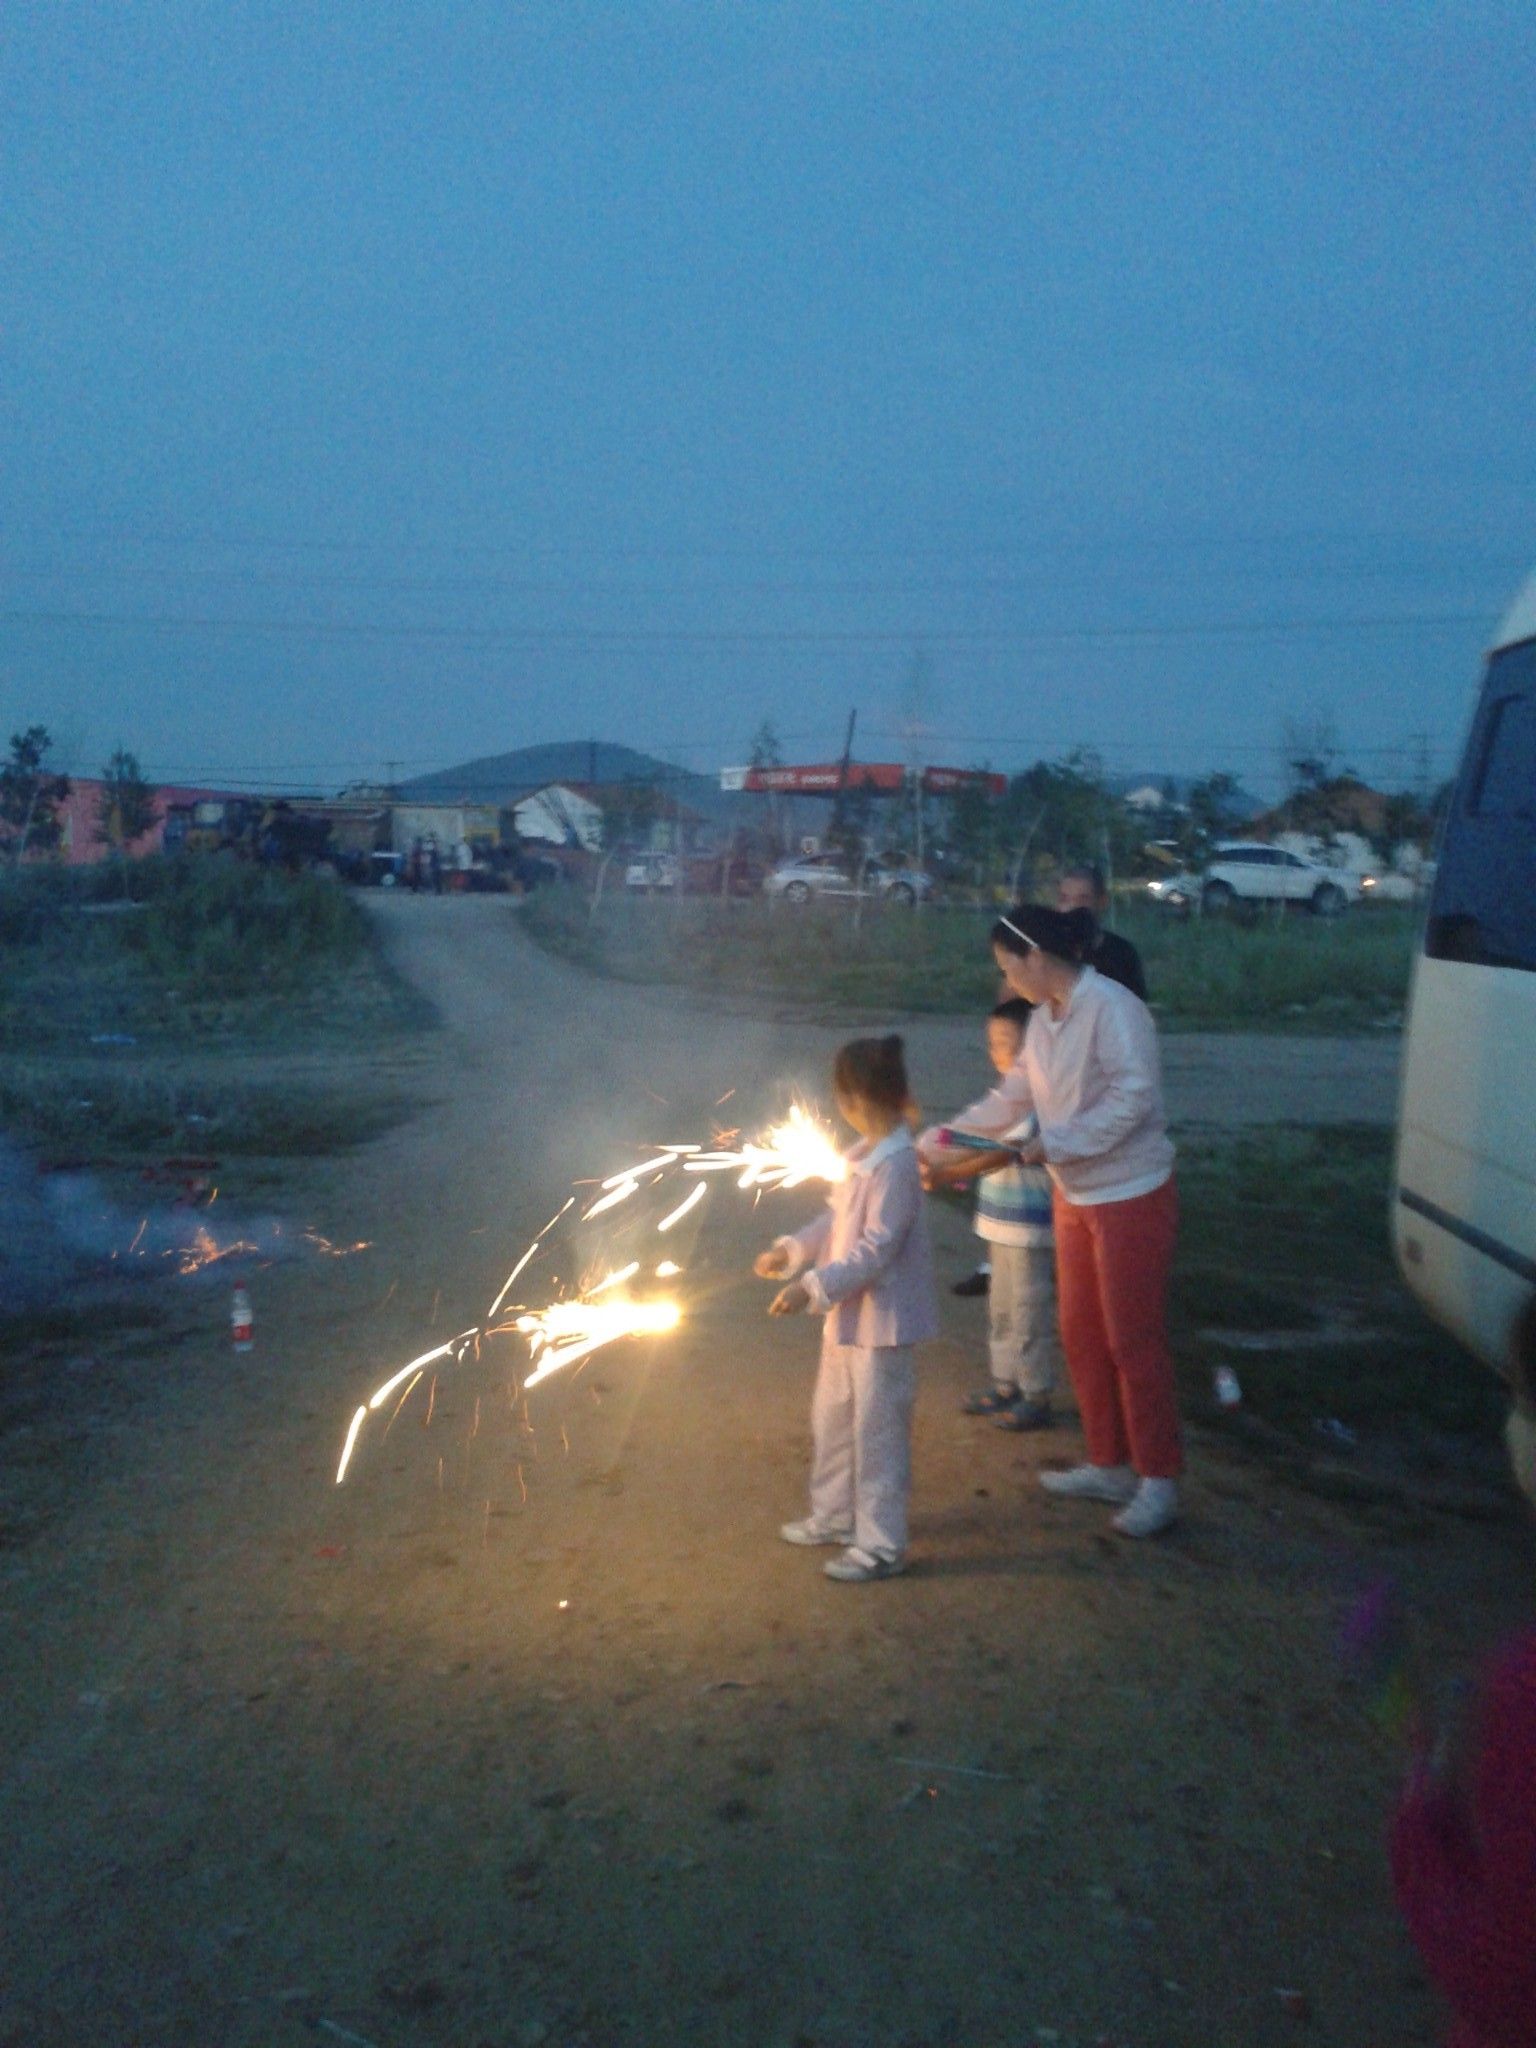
559, 814
80, 818
447, 825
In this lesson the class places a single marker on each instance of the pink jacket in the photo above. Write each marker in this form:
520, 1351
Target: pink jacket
871, 1266
1466, 1874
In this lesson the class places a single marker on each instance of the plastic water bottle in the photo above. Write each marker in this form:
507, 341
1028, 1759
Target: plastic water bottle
1229, 1393
240, 1321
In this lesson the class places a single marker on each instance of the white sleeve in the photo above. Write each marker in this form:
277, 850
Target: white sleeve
1001, 1108
1124, 1048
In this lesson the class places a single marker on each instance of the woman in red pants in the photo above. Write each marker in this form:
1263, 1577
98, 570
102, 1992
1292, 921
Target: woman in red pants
1089, 1070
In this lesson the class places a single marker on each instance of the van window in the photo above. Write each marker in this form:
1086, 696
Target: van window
1483, 910
1505, 775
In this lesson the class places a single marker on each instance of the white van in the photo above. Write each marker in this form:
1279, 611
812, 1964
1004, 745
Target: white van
1464, 1192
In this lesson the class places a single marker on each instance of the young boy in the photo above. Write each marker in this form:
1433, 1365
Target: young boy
1013, 1218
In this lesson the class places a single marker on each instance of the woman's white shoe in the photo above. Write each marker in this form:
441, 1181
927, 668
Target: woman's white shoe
1114, 1483
1154, 1508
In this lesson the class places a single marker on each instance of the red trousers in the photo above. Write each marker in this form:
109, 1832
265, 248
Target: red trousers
1112, 1266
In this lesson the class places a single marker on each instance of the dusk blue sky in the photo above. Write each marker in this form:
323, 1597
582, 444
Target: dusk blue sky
399, 384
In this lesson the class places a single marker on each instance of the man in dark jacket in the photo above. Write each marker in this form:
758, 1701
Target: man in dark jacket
1082, 888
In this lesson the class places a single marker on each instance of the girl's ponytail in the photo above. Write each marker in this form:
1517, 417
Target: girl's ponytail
873, 1070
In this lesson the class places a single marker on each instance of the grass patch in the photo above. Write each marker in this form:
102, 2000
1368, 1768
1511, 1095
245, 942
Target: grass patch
187, 950
1296, 973
1284, 1238
83, 1111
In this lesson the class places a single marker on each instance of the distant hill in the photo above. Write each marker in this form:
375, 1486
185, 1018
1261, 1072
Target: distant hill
592, 764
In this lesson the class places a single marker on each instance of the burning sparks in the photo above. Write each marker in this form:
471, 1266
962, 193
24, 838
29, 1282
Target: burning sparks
688, 1202
205, 1250
351, 1444
569, 1330
798, 1149
615, 1279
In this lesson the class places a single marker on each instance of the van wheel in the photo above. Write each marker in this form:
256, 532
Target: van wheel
903, 892
798, 892
1216, 898
1328, 899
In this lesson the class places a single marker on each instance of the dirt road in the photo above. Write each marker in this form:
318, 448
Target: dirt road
534, 1733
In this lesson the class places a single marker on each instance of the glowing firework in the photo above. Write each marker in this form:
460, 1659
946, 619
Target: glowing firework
351, 1444
615, 1279
527, 1255
668, 1158
627, 1186
205, 1250
688, 1202
799, 1149
569, 1330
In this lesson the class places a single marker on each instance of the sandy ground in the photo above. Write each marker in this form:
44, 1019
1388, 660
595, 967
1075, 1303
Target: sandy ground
534, 1732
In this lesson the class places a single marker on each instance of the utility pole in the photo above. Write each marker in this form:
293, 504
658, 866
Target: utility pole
842, 773
1421, 769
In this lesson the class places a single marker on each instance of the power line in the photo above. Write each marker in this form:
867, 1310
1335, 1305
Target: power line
578, 636
1096, 547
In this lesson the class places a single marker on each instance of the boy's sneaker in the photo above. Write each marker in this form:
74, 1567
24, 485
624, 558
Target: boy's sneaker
972, 1285
809, 1533
855, 1566
1154, 1507
1030, 1411
1114, 1483
998, 1399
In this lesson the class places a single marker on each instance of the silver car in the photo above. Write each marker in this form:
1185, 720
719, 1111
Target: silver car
829, 874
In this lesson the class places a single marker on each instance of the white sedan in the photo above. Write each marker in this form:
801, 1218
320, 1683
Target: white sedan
1250, 873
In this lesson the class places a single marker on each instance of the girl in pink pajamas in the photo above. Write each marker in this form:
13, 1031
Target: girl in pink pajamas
1464, 1843
866, 1268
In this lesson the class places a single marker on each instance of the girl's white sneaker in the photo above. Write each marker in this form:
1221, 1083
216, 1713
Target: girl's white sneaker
1114, 1483
809, 1533
1154, 1508
855, 1566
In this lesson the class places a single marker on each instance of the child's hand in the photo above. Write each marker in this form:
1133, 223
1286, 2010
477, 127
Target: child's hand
772, 1264
946, 1173
790, 1300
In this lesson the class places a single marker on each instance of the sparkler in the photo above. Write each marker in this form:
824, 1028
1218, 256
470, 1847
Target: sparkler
798, 1149
569, 1330
688, 1202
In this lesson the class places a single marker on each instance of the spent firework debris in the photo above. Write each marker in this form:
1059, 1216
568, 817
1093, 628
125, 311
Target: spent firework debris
324, 1246
205, 1250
